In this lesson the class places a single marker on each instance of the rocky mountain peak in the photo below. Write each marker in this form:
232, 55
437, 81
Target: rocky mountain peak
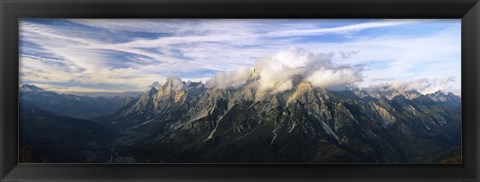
254, 75
438, 96
152, 91
304, 85
386, 92
302, 89
412, 94
173, 84
439, 93
451, 95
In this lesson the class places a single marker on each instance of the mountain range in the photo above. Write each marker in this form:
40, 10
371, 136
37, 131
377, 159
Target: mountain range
189, 122
77, 106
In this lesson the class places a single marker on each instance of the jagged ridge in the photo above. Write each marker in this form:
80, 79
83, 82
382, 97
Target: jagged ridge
191, 123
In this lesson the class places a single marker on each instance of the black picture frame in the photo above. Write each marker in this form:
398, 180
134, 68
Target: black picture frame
11, 11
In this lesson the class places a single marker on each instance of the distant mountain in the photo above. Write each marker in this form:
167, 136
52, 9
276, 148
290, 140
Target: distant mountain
47, 137
105, 94
182, 122
31, 88
76, 106
386, 92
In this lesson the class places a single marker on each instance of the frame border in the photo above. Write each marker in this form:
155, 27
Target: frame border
11, 11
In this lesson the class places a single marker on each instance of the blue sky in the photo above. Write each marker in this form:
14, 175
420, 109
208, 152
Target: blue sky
116, 55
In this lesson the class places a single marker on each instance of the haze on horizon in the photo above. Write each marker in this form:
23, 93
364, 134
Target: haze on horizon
124, 55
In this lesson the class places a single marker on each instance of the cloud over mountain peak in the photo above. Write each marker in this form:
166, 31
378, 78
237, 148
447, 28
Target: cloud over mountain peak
277, 72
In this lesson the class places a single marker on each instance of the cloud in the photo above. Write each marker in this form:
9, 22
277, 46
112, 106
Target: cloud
422, 85
342, 29
136, 52
347, 54
174, 83
234, 79
333, 79
41, 70
401, 57
278, 72
135, 25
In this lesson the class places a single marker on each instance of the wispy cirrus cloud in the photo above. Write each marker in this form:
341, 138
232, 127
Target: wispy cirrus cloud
137, 52
342, 29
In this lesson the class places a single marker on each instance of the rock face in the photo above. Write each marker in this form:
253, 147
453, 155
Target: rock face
186, 122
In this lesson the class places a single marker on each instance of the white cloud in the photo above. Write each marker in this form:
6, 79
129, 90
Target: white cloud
36, 69
402, 58
277, 73
224, 80
135, 25
333, 79
422, 85
342, 29
227, 45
